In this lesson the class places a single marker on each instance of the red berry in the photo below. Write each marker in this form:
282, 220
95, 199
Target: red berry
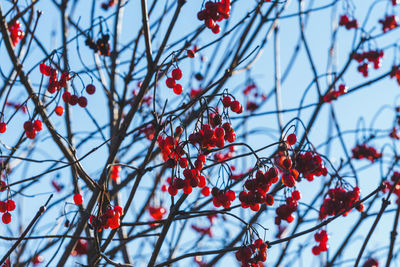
78, 199
10, 205
3, 127
316, 250
205, 191
291, 139
73, 100
119, 210
90, 89
59, 110
216, 29
191, 53
82, 101
28, 126
6, 218
296, 195
37, 125
226, 101
235, 106
170, 82
178, 89
44, 69
177, 74
3, 206
30, 134
66, 96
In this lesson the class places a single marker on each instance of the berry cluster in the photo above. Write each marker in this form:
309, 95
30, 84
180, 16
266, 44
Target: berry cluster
16, 106
258, 189
219, 156
215, 12
334, 94
81, 248
31, 128
339, 200
285, 211
115, 170
253, 97
171, 82
54, 84
364, 58
389, 184
148, 131
108, 4
16, 33
321, 237
371, 262
74, 99
109, 219
365, 152
252, 254
234, 105
222, 198
170, 150
389, 23
209, 138
192, 179
5, 207
290, 174
101, 45
310, 165
348, 23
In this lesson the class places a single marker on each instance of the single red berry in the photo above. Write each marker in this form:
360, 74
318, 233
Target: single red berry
73, 100
296, 195
291, 139
30, 134
177, 74
6, 218
226, 101
170, 82
37, 125
235, 106
316, 250
119, 210
190, 53
28, 126
78, 199
3, 127
66, 96
3, 206
82, 101
10, 205
178, 89
90, 89
59, 110
216, 29
205, 191
44, 69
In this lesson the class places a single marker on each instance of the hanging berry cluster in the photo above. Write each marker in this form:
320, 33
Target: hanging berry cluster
339, 200
222, 198
322, 238
234, 105
109, 219
215, 12
365, 152
258, 189
5, 208
101, 45
16, 33
389, 184
252, 254
54, 84
389, 23
171, 82
334, 94
253, 97
171, 151
364, 58
74, 99
310, 165
348, 23
192, 179
285, 211
31, 128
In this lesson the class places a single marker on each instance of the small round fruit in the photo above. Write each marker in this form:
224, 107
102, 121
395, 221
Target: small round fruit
82, 101
178, 89
90, 89
177, 74
10, 205
6, 218
59, 110
3, 127
291, 139
78, 199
